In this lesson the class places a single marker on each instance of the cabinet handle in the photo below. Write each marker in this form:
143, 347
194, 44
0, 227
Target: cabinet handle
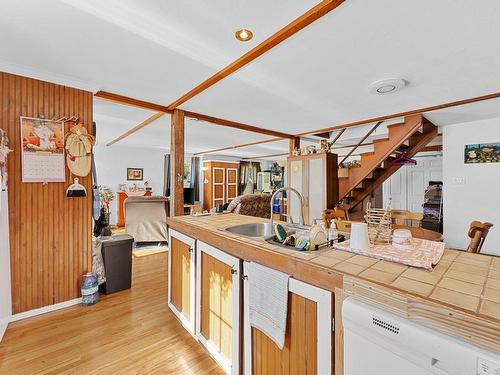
191, 249
233, 271
244, 277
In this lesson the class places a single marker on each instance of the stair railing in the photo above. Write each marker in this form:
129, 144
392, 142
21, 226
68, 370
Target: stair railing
361, 141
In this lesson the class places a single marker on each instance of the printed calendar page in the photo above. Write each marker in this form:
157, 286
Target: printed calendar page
42, 150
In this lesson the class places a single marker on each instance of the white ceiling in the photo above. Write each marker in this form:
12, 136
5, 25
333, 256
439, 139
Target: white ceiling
157, 51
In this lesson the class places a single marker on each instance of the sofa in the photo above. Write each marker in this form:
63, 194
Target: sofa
258, 205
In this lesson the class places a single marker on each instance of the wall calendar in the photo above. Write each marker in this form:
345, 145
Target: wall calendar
42, 155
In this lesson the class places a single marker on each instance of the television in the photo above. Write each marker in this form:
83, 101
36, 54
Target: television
188, 196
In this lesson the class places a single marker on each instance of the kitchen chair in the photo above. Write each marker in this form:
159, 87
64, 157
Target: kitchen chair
335, 214
477, 233
399, 216
414, 219
343, 225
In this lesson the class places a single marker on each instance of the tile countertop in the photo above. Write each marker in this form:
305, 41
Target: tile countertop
468, 283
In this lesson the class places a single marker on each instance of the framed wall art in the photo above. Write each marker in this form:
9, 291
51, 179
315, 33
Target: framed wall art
135, 174
482, 153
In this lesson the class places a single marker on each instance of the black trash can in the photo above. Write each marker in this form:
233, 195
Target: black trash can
117, 258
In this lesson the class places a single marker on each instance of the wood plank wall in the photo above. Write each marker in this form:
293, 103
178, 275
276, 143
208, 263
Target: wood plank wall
50, 235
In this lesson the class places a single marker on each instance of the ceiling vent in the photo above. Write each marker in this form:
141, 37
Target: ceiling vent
387, 86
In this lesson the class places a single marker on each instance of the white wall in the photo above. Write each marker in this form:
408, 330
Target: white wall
112, 163
5, 297
470, 191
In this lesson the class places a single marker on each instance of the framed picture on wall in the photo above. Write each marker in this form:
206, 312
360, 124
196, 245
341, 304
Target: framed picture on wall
135, 174
482, 153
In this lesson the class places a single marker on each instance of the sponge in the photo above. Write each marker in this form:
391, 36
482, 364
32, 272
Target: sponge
280, 232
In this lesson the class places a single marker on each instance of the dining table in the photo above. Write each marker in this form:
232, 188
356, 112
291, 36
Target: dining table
416, 232
422, 233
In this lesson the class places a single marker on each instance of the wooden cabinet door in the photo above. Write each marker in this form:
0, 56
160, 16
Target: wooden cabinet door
308, 340
231, 184
218, 305
218, 186
181, 278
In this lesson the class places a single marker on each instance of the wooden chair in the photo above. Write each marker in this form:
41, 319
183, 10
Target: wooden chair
477, 233
414, 219
335, 214
407, 218
399, 216
343, 225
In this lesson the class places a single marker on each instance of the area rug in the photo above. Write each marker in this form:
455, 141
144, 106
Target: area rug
142, 251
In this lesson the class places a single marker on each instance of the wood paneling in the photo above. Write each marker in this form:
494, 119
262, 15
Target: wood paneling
216, 304
299, 355
50, 234
181, 276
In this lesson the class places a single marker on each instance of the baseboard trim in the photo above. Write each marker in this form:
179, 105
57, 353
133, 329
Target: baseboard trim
3, 327
45, 309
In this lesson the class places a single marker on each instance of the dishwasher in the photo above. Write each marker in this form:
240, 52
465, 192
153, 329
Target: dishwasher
377, 342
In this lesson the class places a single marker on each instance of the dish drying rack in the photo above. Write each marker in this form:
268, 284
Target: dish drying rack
379, 225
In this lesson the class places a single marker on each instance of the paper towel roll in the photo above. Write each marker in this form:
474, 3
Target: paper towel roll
359, 237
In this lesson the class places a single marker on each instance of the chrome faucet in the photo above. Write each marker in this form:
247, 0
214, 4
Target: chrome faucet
301, 200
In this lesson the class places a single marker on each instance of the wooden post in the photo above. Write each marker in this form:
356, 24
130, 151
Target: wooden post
293, 143
177, 163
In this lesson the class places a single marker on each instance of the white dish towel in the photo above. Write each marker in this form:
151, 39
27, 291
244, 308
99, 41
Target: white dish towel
268, 301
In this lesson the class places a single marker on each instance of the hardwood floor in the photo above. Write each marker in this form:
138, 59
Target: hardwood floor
130, 332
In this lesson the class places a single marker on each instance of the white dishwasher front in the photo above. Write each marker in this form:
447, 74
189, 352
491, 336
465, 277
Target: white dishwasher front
377, 342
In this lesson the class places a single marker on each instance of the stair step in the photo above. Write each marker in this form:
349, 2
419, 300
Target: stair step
380, 140
368, 153
394, 125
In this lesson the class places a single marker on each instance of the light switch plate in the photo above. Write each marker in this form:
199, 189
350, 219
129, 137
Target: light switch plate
459, 181
485, 367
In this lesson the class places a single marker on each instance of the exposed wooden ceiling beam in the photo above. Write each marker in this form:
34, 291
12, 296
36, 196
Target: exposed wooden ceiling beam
125, 100
406, 113
237, 125
237, 146
162, 110
292, 28
266, 156
143, 124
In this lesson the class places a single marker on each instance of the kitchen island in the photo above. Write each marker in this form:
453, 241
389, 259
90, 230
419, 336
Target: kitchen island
460, 297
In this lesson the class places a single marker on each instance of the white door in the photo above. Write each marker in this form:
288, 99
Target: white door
218, 305
418, 177
406, 187
394, 190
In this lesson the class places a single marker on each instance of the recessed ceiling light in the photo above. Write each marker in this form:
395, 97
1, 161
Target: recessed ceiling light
243, 35
387, 86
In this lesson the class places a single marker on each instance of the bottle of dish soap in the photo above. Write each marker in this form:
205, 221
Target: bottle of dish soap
333, 234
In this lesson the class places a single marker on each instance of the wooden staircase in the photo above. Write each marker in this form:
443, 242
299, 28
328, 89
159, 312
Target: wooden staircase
408, 137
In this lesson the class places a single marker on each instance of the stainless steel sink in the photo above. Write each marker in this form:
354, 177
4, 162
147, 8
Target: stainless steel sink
253, 230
